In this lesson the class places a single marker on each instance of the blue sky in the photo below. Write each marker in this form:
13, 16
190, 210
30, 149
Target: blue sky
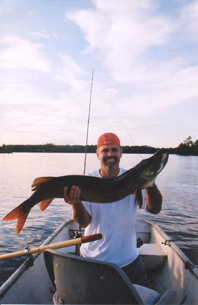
144, 55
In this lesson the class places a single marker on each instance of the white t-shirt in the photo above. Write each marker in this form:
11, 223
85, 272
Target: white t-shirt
116, 222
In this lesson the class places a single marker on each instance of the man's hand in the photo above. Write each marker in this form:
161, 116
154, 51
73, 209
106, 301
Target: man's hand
80, 214
74, 195
153, 199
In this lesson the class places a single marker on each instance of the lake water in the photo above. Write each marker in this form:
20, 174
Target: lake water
178, 184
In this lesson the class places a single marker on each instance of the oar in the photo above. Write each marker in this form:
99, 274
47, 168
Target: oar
62, 244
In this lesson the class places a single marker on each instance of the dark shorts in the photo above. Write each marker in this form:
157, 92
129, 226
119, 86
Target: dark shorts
136, 272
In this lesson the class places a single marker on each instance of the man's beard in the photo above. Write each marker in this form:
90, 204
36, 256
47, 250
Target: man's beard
111, 163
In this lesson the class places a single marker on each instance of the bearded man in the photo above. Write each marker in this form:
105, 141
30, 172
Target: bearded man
116, 221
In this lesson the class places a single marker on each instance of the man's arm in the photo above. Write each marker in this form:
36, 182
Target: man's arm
153, 199
80, 214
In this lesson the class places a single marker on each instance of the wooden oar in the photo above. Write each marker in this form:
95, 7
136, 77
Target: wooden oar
62, 244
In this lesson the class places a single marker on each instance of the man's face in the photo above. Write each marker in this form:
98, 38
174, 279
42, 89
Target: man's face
109, 156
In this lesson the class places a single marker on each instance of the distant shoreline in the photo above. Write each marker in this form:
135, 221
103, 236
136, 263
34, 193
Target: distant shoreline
52, 148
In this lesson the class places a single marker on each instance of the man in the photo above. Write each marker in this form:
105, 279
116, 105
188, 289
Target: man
116, 221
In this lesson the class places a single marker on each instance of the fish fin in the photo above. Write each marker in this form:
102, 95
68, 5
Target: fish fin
38, 181
18, 213
138, 195
21, 221
44, 204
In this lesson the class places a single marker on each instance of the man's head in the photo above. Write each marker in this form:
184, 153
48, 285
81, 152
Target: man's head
108, 138
109, 153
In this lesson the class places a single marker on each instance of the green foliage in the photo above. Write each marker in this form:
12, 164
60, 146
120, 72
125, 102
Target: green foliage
47, 148
186, 148
52, 148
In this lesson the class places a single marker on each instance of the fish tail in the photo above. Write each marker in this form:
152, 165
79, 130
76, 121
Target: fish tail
20, 213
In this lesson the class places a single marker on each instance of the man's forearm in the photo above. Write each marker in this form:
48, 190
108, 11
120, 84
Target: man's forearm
80, 215
153, 199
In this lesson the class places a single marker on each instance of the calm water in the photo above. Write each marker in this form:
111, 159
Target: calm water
178, 183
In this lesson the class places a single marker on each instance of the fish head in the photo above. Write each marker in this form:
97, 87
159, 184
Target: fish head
154, 166
157, 162
148, 169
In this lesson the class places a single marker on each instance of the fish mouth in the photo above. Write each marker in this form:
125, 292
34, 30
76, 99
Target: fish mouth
158, 161
164, 160
153, 166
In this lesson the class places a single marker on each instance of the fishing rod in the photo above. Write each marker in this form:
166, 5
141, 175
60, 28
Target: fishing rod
88, 120
79, 231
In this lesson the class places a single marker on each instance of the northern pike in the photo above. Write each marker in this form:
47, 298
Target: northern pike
93, 189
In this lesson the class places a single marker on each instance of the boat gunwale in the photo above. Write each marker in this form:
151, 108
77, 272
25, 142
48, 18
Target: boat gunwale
171, 243
28, 262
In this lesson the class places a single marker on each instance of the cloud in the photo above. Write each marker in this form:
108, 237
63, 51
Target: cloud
122, 32
70, 70
135, 41
42, 34
20, 53
189, 20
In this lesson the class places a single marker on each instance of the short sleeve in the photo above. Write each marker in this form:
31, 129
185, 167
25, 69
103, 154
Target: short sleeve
87, 206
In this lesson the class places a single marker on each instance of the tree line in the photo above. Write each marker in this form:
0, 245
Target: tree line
52, 148
187, 147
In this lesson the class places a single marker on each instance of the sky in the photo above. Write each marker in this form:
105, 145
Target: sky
142, 55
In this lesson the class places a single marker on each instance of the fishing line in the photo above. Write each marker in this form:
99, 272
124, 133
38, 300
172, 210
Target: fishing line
88, 120
171, 212
125, 127
175, 220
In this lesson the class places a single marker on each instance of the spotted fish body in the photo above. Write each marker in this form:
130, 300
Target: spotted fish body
93, 189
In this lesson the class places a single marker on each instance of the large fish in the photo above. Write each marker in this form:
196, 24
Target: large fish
93, 189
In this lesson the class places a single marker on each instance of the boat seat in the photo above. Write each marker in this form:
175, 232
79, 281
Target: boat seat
80, 280
152, 256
